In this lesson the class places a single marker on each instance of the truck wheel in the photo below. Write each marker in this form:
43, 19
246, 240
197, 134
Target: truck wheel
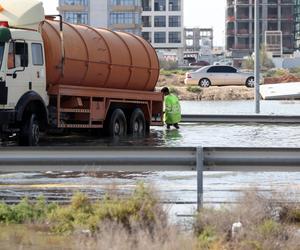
137, 123
117, 124
30, 132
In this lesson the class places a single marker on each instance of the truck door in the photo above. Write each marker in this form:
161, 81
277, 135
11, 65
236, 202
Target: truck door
18, 76
38, 70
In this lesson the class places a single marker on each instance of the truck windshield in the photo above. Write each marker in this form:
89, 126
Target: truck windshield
1, 53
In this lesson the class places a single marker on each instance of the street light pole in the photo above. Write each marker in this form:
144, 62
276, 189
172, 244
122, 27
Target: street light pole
256, 61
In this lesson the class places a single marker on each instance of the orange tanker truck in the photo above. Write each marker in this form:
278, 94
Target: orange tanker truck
56, 75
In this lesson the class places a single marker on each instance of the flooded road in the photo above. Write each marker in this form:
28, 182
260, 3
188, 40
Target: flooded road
175, 188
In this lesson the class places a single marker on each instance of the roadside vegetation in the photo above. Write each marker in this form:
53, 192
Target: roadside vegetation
140, 222
174, 79
265, 62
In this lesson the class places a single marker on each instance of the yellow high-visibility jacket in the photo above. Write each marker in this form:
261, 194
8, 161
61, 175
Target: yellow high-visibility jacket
172, 109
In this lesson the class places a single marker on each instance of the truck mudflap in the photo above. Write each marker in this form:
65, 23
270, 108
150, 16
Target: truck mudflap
7, 116
3, 93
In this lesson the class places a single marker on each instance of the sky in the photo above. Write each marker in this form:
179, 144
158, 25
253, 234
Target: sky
197, 13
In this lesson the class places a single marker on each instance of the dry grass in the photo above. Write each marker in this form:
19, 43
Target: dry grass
265, 225
116, 237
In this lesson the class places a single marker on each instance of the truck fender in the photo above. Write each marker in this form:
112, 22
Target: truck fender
32, 98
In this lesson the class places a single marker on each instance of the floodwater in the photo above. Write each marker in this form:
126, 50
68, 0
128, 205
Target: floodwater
176, 188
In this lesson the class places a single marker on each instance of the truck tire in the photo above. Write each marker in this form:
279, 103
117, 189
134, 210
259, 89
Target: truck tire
137, 123
117, 125
30, 131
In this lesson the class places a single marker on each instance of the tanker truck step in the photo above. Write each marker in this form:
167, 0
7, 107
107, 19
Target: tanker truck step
80, 126
64, 110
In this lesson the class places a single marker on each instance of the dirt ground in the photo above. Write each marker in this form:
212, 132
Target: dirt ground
176, 84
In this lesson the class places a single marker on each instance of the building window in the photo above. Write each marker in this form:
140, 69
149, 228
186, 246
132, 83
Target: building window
74, 2
174, 5
174, 21
126, 2
160, 37
174, 37
76, 17
160, 5
146, 21
124, 18
159, 21
189, 33
189, 42
146, 5
147, 36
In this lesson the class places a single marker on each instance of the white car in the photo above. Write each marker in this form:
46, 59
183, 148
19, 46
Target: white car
219, 75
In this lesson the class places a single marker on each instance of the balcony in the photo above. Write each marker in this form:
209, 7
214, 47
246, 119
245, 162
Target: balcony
243, 32
242, 17
72, 8
241, 47
123, 26
287, 17
230, 18
289, 2
243, 2
126, 8
230, 3
230, 32
272, 16
275, 2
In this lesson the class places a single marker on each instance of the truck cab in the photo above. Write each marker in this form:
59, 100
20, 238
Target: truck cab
22, 79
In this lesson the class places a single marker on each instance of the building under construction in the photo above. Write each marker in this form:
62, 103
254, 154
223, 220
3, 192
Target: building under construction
275, 15
297, 24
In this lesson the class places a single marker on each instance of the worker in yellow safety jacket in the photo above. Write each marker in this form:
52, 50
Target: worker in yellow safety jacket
172, 109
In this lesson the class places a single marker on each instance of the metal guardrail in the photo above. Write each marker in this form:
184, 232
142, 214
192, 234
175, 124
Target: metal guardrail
147, 159
241, 118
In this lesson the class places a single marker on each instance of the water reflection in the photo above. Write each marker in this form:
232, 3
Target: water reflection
172, 137
177, 186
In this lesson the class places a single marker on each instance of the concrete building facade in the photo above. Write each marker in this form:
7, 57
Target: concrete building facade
198, 42
122, 15
197, 38
297, 24
275, 15
162, 22
159, 21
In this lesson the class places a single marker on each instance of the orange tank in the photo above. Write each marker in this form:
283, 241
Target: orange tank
98, 58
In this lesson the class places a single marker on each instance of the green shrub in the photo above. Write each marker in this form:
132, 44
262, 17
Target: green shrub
269, 228
194, 89
140, 207
81, 203
23, 212
265, 62
280, 72
173, 72
61, 220
295, 70
168, 65
5, 213
207, 238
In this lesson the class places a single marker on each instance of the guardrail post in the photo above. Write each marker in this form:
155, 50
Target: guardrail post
200, 168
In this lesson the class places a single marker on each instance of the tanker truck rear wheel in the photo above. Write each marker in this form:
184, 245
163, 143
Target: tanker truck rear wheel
30, 131
137, 123
117, 125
